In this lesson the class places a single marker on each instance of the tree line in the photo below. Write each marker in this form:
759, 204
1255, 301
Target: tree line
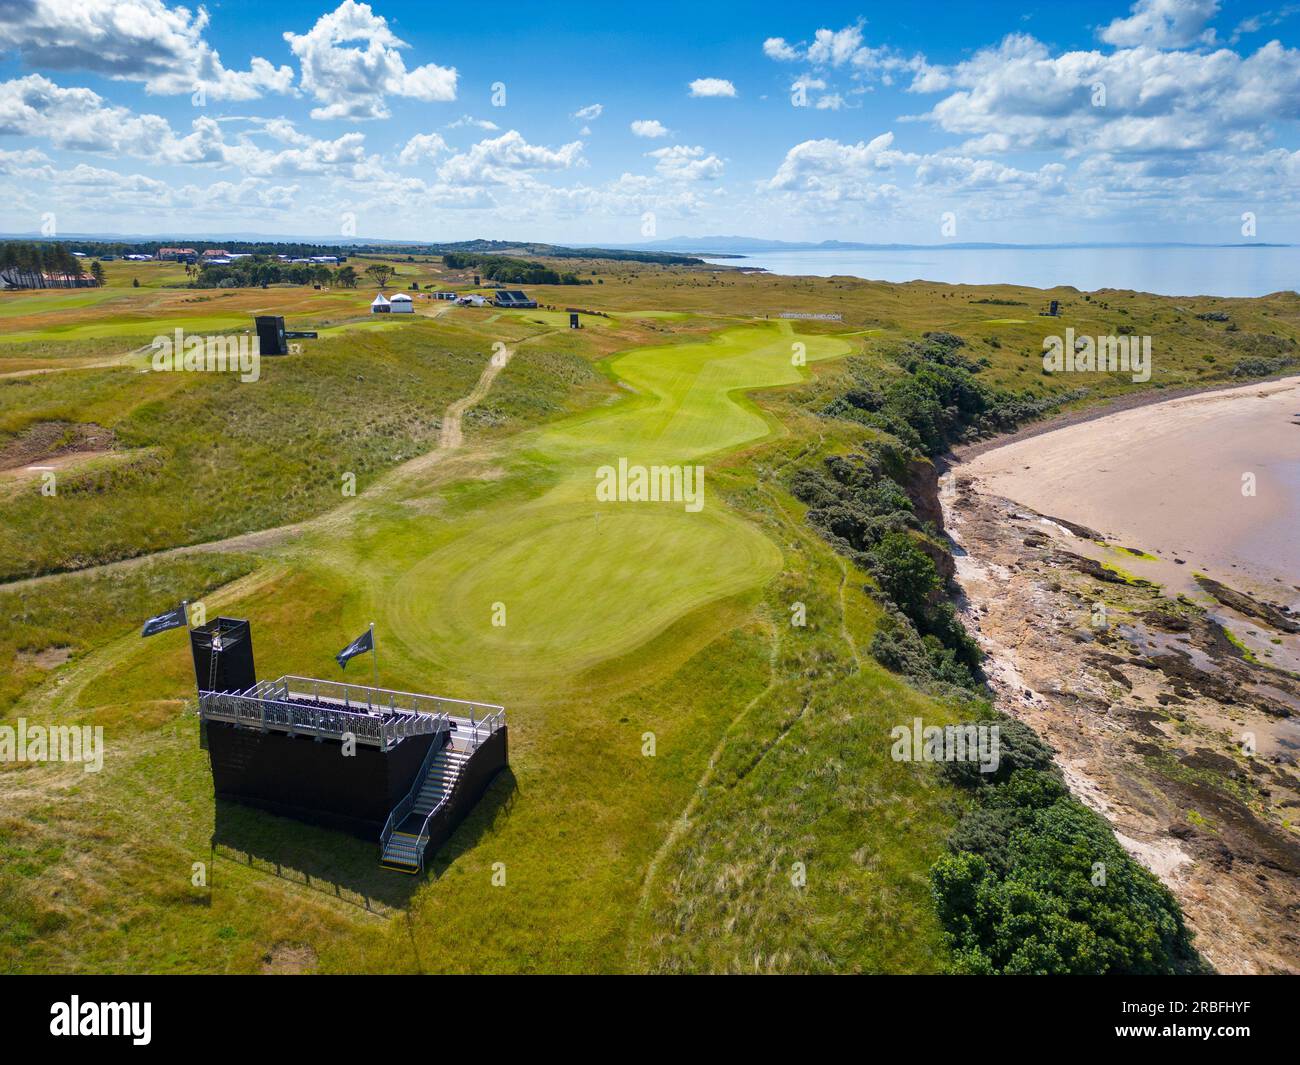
510, 271
258, 271
33, 265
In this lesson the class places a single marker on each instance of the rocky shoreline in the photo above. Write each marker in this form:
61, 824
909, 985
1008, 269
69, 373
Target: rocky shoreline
1163, 722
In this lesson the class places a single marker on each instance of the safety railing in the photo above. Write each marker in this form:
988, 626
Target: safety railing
358, 695
378, 727
479, 729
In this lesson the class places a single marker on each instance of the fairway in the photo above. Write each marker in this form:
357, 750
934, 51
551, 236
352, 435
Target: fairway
577, 580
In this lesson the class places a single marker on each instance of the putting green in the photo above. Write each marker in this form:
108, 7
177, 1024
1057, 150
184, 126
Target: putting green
131, 327
26, 302
577, 585
554, 319
581, 580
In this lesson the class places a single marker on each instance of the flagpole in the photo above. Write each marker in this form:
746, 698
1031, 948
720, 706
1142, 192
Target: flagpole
185, 613
374, 654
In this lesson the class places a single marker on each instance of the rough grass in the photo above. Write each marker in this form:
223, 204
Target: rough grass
227, 457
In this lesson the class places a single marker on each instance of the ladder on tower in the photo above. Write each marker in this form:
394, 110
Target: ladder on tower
212, 661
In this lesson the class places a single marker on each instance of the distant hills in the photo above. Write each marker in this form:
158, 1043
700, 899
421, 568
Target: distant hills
671, 251
100, 244
728, 246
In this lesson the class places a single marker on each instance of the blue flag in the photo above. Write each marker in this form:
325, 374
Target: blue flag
173, 619
363, 643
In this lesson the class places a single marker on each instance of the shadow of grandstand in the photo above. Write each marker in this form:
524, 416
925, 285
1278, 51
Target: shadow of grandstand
318, 859
339, 865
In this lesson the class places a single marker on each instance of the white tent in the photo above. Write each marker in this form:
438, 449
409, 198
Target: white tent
401, 303
380, 305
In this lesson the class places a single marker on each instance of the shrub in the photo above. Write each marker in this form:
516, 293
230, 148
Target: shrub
897, 646
1036, 882
1043, 908
905, 572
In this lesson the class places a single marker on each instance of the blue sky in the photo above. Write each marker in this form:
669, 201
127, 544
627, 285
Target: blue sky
1164, 120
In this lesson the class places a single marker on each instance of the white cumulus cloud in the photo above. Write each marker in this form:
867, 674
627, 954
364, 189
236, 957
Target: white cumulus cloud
712, 87
420, 147
352, 82
649, 127
501, 159
132, 40
1163, 24
684, 163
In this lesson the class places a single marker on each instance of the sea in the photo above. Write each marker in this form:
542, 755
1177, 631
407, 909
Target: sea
1167, 271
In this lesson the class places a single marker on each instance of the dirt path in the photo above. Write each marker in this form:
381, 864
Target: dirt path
450, 437
115, 360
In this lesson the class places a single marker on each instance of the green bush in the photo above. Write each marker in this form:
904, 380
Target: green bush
1036, 882
904, 572
1051, 910
897, 645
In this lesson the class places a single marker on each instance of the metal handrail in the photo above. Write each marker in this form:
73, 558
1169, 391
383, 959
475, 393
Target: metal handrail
293, 717
492, 723
422, 841
488, 725
381, 697
259, 705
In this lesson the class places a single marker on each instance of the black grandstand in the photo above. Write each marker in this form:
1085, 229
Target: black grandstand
402, 768
513, 297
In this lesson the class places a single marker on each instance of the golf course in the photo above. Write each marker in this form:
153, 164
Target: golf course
699, 779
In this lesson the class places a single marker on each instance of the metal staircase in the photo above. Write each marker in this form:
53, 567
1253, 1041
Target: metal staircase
404, 849
406, 835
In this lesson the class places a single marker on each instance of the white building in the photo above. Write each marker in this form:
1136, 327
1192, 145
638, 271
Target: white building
381, 305
401, 303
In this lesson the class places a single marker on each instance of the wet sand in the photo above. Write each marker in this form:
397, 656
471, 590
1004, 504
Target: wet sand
1168, 479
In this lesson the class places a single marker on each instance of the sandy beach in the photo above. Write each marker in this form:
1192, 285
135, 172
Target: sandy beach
1140, 612
1173, 480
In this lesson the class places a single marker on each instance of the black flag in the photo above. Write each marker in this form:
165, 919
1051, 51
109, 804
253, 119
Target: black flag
363, 643
173, 619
